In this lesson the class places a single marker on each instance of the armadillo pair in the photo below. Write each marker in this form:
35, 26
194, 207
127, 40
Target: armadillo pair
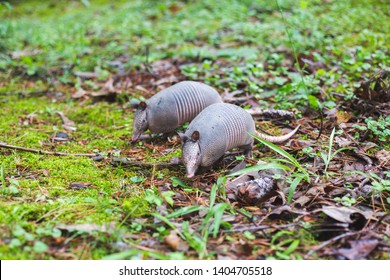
172, 107
216, 127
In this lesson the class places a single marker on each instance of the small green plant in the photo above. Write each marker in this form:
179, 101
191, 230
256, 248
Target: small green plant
211, 223
177, 182
153, 198
2, 176
380, 128
296, 176
380, 186
346, 200
327, 157
284, 244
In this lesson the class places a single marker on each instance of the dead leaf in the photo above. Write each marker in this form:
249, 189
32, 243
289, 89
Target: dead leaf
88, 228
19, 54
344, 214
302, 200
383, 156
174, 8
175, 242
359, 250
376, 88
86, 75
238, 167
79, 93
109, 86
285, 208
343, 142
66, 123
343, 116
80, 185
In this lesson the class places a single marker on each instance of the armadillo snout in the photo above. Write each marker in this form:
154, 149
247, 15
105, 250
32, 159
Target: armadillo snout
190, 175
140, 124
191, 157
135, 137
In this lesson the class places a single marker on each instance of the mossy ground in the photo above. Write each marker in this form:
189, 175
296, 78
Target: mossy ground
249, 46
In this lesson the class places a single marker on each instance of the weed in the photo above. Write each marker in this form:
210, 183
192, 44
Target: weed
284, 244
296, 176
235, 46
327, 157
380, 128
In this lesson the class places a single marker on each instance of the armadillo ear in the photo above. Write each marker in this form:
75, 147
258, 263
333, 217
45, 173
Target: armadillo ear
142, 105
182, 136
195, 135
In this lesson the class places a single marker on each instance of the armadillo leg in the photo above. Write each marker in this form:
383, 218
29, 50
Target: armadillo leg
247, 150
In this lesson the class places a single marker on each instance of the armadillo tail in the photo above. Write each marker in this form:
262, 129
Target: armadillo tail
277, 139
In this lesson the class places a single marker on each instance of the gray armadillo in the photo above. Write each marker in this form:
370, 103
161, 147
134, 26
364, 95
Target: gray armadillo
173, 106
217, 129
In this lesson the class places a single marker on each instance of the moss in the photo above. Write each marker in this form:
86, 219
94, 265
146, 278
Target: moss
40, 52
135, 206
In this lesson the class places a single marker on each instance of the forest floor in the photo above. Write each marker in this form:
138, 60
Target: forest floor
71, 74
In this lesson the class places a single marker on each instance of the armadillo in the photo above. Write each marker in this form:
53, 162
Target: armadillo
217, 129
173, 106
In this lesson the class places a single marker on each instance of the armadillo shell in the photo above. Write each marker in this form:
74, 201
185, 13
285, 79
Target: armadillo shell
221, 127
180, 103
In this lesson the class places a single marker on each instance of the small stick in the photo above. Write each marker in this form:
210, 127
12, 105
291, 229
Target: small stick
3, 145
127, 162
326, 243
259, 227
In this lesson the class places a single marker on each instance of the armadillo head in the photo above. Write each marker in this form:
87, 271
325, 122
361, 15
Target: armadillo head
191, 154
140, 123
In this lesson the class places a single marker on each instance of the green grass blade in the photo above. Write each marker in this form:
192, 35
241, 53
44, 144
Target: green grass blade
165, 220
293, 186
331, 144
282, 153
184, 211
213, 195
219, 209
259, 167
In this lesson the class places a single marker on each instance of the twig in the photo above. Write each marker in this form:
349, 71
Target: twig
126, 162
321, 125
3, 145
260, 227
326, 243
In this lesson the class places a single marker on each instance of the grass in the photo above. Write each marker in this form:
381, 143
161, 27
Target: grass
256, 47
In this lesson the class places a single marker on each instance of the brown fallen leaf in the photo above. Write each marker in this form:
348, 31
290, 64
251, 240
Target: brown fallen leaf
343, 116
383, 156
302, 201
343, 142
175, 242
285, 208
359, 250
46, 172
80, 185
88, 228
376, 88
86, 75
344, 214
79, 93
67, 124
